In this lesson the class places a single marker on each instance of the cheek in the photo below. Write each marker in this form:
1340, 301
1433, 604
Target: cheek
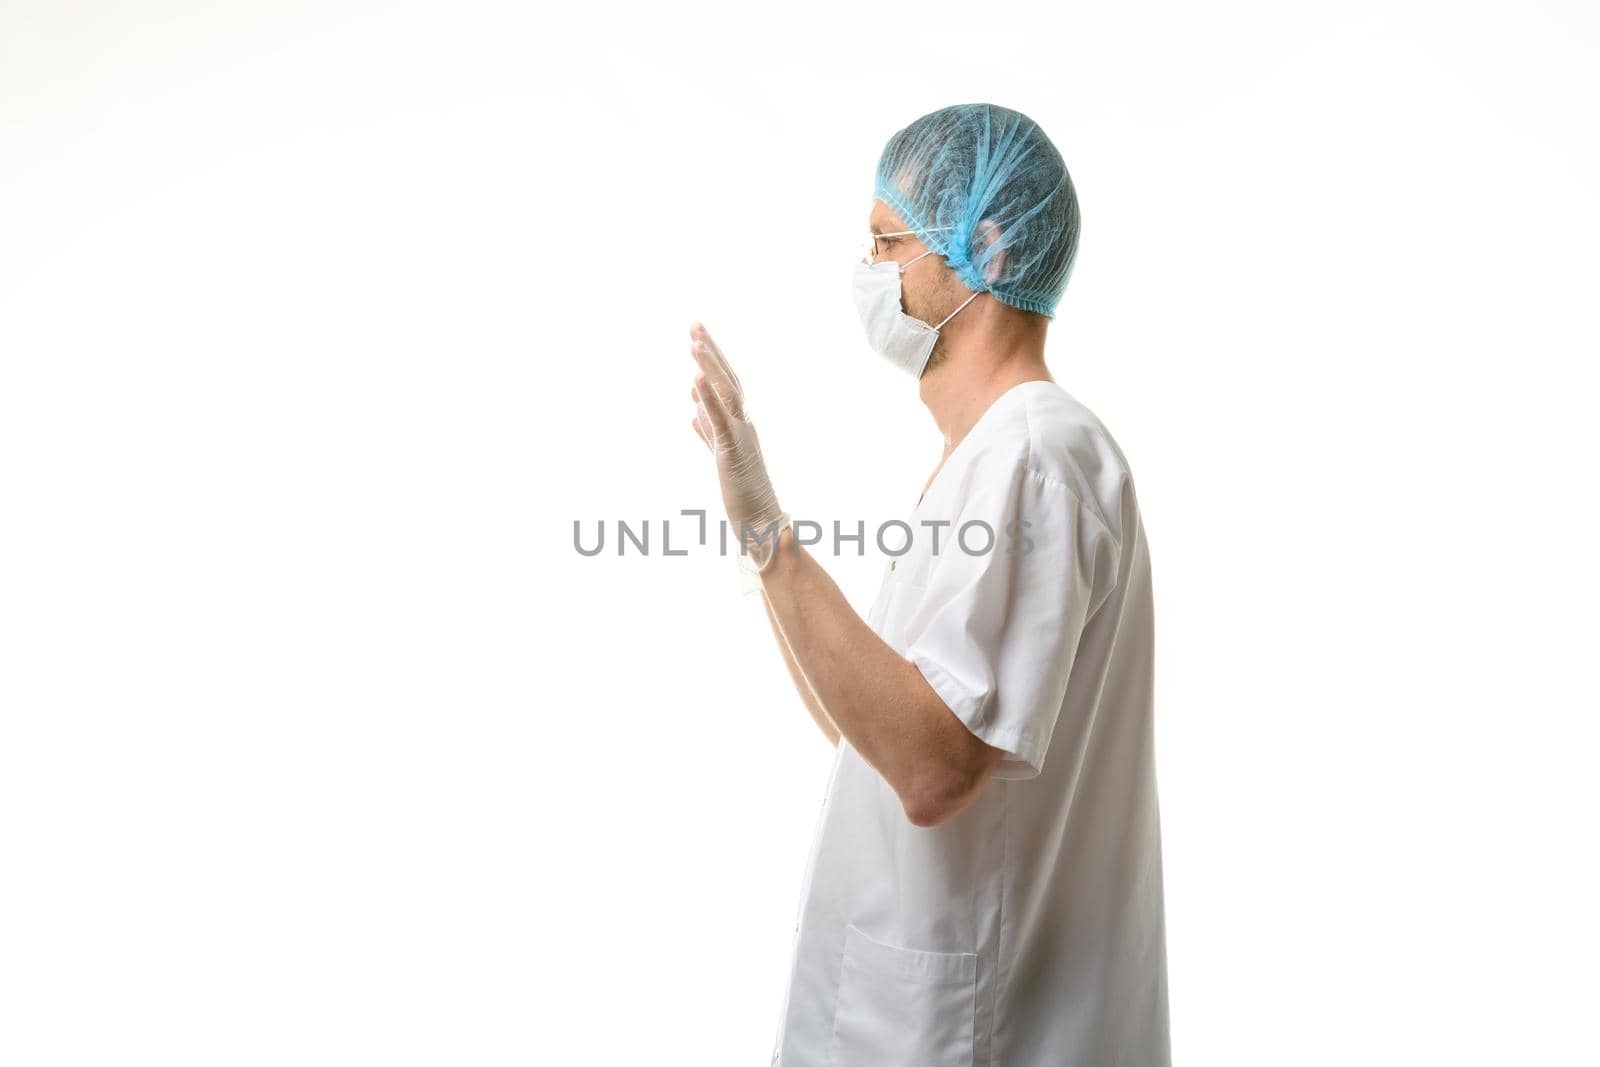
919, 295
928, 299
912, 301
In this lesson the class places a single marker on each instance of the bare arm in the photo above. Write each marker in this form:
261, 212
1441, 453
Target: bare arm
872, 694
824, 723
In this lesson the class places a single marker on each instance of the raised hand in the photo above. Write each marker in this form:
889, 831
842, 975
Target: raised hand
724, 425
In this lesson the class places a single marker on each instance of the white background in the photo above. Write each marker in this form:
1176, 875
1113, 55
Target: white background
321, 323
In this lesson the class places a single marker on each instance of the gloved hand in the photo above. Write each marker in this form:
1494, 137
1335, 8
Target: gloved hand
722, 423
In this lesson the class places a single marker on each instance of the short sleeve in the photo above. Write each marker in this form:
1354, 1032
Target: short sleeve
995, 633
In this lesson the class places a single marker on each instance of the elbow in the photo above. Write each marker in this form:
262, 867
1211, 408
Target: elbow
937, 800
920, 814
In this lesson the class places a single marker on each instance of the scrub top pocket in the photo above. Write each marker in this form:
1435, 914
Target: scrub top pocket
901, 1007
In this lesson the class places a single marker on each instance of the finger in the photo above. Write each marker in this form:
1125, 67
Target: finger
717, 373
721, 360
701, 335
715, 411
702, 419
701, 424
710, 378
695, 394
708, 432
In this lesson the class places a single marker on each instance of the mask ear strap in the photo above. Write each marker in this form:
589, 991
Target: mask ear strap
964, 303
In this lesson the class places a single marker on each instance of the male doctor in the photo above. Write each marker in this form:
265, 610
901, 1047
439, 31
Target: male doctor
985, 887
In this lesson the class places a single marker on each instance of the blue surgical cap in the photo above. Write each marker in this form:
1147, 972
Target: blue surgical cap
955, 170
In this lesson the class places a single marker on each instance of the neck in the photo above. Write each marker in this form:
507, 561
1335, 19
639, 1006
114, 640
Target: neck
996, 351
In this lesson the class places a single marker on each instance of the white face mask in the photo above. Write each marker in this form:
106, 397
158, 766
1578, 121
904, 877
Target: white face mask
902, 340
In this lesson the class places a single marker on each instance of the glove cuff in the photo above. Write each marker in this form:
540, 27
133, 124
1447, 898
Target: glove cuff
757, 556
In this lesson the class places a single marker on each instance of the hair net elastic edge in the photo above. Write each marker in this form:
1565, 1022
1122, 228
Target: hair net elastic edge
967, 271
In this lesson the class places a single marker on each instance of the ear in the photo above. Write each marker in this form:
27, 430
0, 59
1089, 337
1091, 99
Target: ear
987, 233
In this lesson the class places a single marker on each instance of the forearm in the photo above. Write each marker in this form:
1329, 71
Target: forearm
807, 695
874, 696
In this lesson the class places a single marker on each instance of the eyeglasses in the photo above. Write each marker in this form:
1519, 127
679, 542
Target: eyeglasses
869, 246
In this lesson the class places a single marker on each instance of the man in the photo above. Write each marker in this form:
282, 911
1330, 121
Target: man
986, 886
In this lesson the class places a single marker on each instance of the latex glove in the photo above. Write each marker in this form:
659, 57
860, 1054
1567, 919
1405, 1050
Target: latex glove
724, 425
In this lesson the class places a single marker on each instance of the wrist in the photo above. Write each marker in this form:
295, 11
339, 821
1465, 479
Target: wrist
785, 550
761, 541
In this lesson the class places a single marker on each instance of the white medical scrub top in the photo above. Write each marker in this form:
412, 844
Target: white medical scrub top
1027, 930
